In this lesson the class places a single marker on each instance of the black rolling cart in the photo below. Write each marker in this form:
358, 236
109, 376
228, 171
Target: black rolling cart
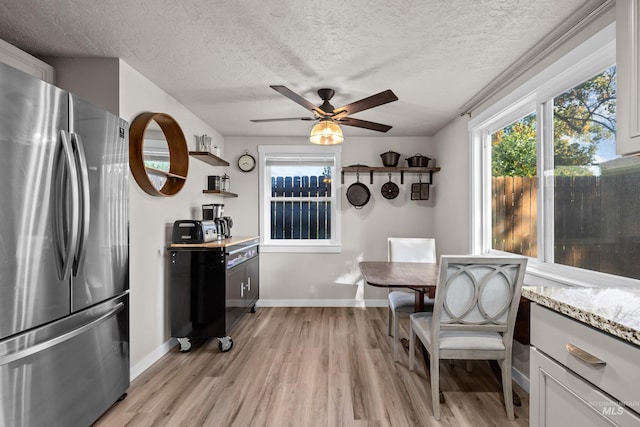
211, 286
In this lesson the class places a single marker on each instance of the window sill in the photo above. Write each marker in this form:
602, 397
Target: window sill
265, 247
545, 274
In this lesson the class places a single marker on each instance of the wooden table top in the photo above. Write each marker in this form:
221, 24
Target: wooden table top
400, 274
224, 243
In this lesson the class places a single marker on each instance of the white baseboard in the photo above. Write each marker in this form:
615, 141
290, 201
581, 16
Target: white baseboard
151, 358
520, 379
321, 303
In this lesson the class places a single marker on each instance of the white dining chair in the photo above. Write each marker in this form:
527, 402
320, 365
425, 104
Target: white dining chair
473, 317
406, 249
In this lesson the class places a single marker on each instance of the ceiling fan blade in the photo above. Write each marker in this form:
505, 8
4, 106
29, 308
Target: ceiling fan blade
282, 90
349, 121
283, 119
365, 103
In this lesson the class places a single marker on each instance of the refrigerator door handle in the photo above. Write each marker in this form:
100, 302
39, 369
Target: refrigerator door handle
83, 178
67, 243
12, 357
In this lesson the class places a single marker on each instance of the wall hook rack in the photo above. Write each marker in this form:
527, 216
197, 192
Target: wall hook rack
384, 169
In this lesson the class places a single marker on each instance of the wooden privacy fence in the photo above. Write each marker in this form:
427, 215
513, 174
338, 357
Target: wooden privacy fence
586, 233
301, 207
513, 214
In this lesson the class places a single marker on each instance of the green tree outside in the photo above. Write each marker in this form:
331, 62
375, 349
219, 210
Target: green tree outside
583, 117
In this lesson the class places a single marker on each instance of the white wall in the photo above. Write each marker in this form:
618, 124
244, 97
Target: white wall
151, 218
452, 203
334, 279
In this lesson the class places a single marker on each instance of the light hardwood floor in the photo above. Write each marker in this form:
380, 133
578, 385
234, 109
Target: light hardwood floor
308, 367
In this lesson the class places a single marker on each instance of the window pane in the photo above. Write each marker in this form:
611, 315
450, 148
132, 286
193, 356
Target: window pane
596, 195
300, 202
513, 187
156, 156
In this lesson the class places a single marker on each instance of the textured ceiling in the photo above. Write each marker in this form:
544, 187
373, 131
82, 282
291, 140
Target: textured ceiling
218, 57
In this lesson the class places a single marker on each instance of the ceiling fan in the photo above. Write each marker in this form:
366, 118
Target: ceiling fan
328, 113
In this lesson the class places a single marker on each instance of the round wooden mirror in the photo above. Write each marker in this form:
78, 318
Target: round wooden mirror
158, 154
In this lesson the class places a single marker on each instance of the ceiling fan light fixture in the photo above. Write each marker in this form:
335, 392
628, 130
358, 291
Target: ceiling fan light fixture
326, 132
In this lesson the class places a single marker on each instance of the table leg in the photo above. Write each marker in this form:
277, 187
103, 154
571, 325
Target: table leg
418, 301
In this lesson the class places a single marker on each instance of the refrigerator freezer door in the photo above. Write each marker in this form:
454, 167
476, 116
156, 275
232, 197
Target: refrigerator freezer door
104, 238
32, 113
69, 372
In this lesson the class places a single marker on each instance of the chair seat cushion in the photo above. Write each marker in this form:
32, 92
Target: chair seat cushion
456, 340
405, 302
401, 301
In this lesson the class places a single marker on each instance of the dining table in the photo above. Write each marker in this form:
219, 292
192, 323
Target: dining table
422, 278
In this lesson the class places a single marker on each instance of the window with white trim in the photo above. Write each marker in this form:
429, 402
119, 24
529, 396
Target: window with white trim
548, 183
299, 198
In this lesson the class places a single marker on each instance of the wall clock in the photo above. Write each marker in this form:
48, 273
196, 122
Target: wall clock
246, 162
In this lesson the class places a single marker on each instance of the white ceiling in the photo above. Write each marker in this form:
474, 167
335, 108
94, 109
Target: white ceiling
218, 57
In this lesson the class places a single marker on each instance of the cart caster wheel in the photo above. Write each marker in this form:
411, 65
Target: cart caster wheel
185, 345
225, 344
253, 308
121, 398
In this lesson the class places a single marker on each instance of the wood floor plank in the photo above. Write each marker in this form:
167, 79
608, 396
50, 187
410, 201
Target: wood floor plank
308, 367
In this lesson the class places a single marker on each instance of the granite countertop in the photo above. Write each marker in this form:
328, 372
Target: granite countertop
614, 310
224, 243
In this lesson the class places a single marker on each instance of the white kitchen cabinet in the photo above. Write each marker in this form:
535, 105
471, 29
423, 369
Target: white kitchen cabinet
580, 375
21, 60
561, 398
628, 75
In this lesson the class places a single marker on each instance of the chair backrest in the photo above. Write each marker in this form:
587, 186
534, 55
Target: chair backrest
411, 249
478, 293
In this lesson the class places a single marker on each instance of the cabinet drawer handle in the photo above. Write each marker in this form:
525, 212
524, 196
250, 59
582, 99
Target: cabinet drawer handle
584, 356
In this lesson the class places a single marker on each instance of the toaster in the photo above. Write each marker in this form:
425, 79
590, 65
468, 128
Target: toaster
194, 231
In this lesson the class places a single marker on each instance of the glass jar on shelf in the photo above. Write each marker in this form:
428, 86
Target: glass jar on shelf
225, 182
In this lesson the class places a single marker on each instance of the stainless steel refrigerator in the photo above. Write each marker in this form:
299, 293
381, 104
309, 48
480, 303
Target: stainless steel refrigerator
64, 251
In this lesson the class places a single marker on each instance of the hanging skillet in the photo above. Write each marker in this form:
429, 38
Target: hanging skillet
390, 189
358, 194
